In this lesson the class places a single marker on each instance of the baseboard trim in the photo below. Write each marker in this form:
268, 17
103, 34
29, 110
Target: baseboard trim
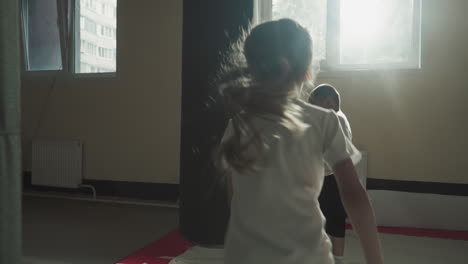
418, 187
170, 192
102, 199
120, 189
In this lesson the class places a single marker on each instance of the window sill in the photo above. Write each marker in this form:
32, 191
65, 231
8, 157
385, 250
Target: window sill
338, 73
95, 75
47, 75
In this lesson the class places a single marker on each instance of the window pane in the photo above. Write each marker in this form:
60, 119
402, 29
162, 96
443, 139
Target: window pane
97, 37
312, 14
376, 31
42, 37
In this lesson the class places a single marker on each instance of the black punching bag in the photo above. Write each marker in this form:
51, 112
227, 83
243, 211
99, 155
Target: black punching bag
209, 26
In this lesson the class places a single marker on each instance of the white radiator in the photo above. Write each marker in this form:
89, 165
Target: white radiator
57, 163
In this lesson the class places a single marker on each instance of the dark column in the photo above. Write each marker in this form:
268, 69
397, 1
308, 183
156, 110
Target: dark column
208, 28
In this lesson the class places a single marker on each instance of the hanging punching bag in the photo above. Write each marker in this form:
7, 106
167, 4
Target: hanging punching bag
209, 26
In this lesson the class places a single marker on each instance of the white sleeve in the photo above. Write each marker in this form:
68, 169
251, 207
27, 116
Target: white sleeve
337, 147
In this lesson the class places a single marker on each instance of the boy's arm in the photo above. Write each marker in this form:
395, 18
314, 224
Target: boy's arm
359, 209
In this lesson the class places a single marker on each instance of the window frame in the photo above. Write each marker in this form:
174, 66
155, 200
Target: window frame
62, 22
25, 33
263, 12
69, 30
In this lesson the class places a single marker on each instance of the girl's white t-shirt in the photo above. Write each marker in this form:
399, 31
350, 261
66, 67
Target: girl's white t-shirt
275, 214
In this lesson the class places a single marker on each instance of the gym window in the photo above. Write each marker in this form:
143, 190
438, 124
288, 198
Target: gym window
355, 34
78, 36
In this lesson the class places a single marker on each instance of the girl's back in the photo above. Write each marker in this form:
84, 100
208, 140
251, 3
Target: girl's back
275, 147
275, 214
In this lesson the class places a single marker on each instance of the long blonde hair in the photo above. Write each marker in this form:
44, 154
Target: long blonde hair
258, 78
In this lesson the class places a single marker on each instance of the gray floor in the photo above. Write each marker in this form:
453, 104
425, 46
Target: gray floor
63, 231
400, 249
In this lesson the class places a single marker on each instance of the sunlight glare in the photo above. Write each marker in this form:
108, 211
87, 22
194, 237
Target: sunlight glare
359, 20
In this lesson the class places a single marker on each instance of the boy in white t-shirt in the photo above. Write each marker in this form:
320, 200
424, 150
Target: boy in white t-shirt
326, 96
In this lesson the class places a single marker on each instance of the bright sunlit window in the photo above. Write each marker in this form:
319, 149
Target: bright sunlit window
355, 34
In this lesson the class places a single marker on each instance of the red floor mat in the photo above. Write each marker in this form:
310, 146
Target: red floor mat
171, 245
